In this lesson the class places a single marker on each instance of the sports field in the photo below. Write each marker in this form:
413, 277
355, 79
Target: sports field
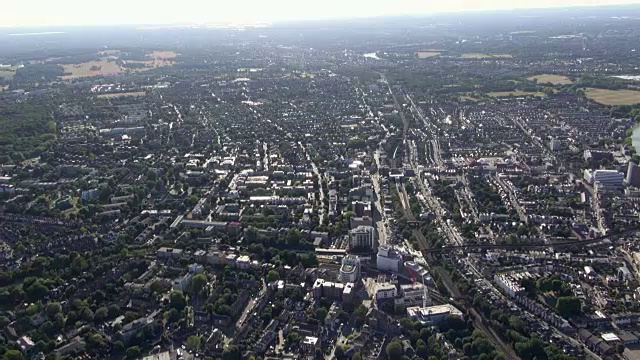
550, 78
613, 97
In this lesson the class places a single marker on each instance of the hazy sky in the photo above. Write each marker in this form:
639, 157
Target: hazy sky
83, 12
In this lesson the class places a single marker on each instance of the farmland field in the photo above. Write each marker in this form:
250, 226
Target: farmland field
613, 97
550, 78
480, 56
92, 68
515, 93
114, 95
427, 54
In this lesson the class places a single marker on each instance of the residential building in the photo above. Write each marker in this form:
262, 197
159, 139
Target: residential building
363, 237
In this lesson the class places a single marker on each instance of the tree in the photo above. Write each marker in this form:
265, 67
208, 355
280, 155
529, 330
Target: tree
293, 237
36, 291
421, 349
53, 309
194, 343
177, 300
191, 201
87, 314
231, 353
321, 313
13, 355
394, 350
198, 283
272, 276
568, 306
101, 314
133, 352
59, 320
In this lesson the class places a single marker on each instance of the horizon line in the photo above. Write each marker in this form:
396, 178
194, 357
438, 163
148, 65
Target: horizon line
255, 23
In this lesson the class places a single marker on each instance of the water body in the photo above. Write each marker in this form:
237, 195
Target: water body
372, 56
635, 137
628, 77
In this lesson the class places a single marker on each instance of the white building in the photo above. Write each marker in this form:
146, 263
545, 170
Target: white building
350, 269
243, 262
508, 285
362, 237
181, 283
388, 259
432, 314
386, 291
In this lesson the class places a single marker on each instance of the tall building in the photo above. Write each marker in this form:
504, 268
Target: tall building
608, 178
555, 145
362, 237
633, 174
350, 269
388, 259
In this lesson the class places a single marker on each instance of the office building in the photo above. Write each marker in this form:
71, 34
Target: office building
388, 259
633, 175
350, 269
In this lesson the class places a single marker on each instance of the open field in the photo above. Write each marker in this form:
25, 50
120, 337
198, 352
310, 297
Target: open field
515, 93
156, 59
115, 95
550, 78
163, 54
7, 74
479, 56
464, 97
613, 97
92, 68
108, 65
427, 54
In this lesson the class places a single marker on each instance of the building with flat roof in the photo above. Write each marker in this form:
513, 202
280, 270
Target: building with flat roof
388, 259
362, 237
633, 174
350, 269
432, 314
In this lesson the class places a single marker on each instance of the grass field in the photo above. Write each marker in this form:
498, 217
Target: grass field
106, 67
469, 98
427, 54
550, 78
515, 93
92, 68
108, 96
613, 97
156, 59
7, 74
479, 56
163, 54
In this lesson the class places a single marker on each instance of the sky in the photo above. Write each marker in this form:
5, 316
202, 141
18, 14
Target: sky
30, 13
